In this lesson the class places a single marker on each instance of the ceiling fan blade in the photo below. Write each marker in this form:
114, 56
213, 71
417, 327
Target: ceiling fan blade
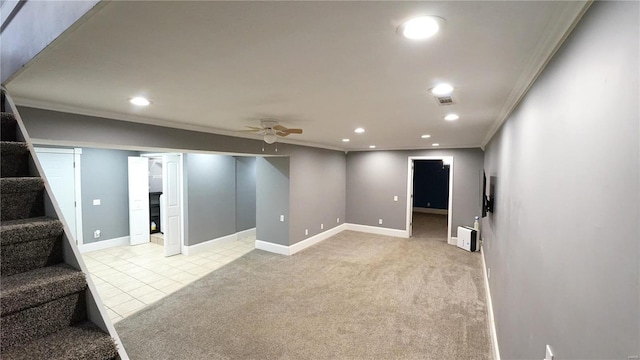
289, 132
279, 128
254, 128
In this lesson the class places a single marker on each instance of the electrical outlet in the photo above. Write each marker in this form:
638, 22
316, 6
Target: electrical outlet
321, 226
306, 231
96, 201
488, 273
380, 221
96, 234
282, 218
428, 204
395, 198
549, 354
338, 220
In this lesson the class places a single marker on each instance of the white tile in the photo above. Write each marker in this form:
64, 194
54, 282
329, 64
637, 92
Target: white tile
141, 291
184, 278
152, 297
116, 300
170, 289
163, 283
128, 307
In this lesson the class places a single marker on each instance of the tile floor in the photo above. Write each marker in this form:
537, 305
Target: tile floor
129, 278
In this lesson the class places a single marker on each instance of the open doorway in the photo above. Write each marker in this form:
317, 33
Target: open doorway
156, 208
430, 194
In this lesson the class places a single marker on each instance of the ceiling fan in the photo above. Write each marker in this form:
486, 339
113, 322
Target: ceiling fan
270, 129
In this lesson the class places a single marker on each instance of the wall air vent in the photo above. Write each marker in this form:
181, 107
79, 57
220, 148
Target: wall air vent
444, 99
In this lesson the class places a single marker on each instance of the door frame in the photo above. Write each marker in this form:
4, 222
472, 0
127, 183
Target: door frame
77, 179
447, 160
181, 177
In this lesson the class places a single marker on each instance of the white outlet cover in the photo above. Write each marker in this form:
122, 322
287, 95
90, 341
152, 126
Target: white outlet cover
395, 198
338, 220
96, 234
321, 226
380, 221
281, 217
96, 201
306, 231
549, 354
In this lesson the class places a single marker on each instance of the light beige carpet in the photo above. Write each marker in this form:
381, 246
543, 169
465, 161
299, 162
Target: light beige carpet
353, 296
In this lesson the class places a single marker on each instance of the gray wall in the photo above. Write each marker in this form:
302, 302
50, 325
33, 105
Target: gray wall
245, 193
375, 177
79, 130
317, 191
42, 21
563, 245
211, 193
272, 199
105, 176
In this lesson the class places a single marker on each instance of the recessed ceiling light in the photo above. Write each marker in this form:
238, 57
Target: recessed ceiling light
421, 27
359, 130
425, 136
372, 146
442, 89
451, 117
345, 140
140, 101
436, 144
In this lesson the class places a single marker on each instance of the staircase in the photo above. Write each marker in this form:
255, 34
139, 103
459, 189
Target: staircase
43, 300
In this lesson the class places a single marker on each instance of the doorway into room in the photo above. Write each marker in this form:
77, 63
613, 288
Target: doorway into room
430, 194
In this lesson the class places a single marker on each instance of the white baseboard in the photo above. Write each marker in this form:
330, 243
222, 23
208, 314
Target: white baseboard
453, 241
274, 248
301, 245
209, 244
492, 323
377, 230
431, 211
246, 233
104, 244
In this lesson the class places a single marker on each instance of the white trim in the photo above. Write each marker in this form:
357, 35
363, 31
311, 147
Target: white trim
104, 244
430, 211
209, 244
78, 196
56, 150
377, 230
492, 322
453, 241
271, 247
301, 245
246, 233
448, 160
308, 242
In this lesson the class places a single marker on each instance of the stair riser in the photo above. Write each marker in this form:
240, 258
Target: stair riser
14, 165
8, 131
26, 256
22, 205
42, 320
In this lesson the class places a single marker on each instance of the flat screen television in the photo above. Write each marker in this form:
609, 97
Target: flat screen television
489, 194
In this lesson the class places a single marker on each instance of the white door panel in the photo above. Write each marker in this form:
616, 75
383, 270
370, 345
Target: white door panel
172, 215
59, 171
139, 200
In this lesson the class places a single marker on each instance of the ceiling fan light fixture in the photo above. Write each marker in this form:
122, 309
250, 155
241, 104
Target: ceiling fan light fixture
270, 138
421, 27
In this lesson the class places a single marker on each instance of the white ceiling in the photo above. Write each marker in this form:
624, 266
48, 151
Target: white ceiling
327, 67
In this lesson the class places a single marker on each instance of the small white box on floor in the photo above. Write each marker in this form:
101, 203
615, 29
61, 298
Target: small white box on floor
467, 238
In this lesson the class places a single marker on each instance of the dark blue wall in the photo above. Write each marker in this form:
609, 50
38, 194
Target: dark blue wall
430, 184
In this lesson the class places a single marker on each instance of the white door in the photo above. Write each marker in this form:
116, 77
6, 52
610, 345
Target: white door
58, 166
410, 200
172, 214
139, 225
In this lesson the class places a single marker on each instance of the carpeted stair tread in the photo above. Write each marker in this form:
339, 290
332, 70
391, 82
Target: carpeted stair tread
23, 230
22, 197
80, 342
8, 126
42, 320
38, 286
14, 159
